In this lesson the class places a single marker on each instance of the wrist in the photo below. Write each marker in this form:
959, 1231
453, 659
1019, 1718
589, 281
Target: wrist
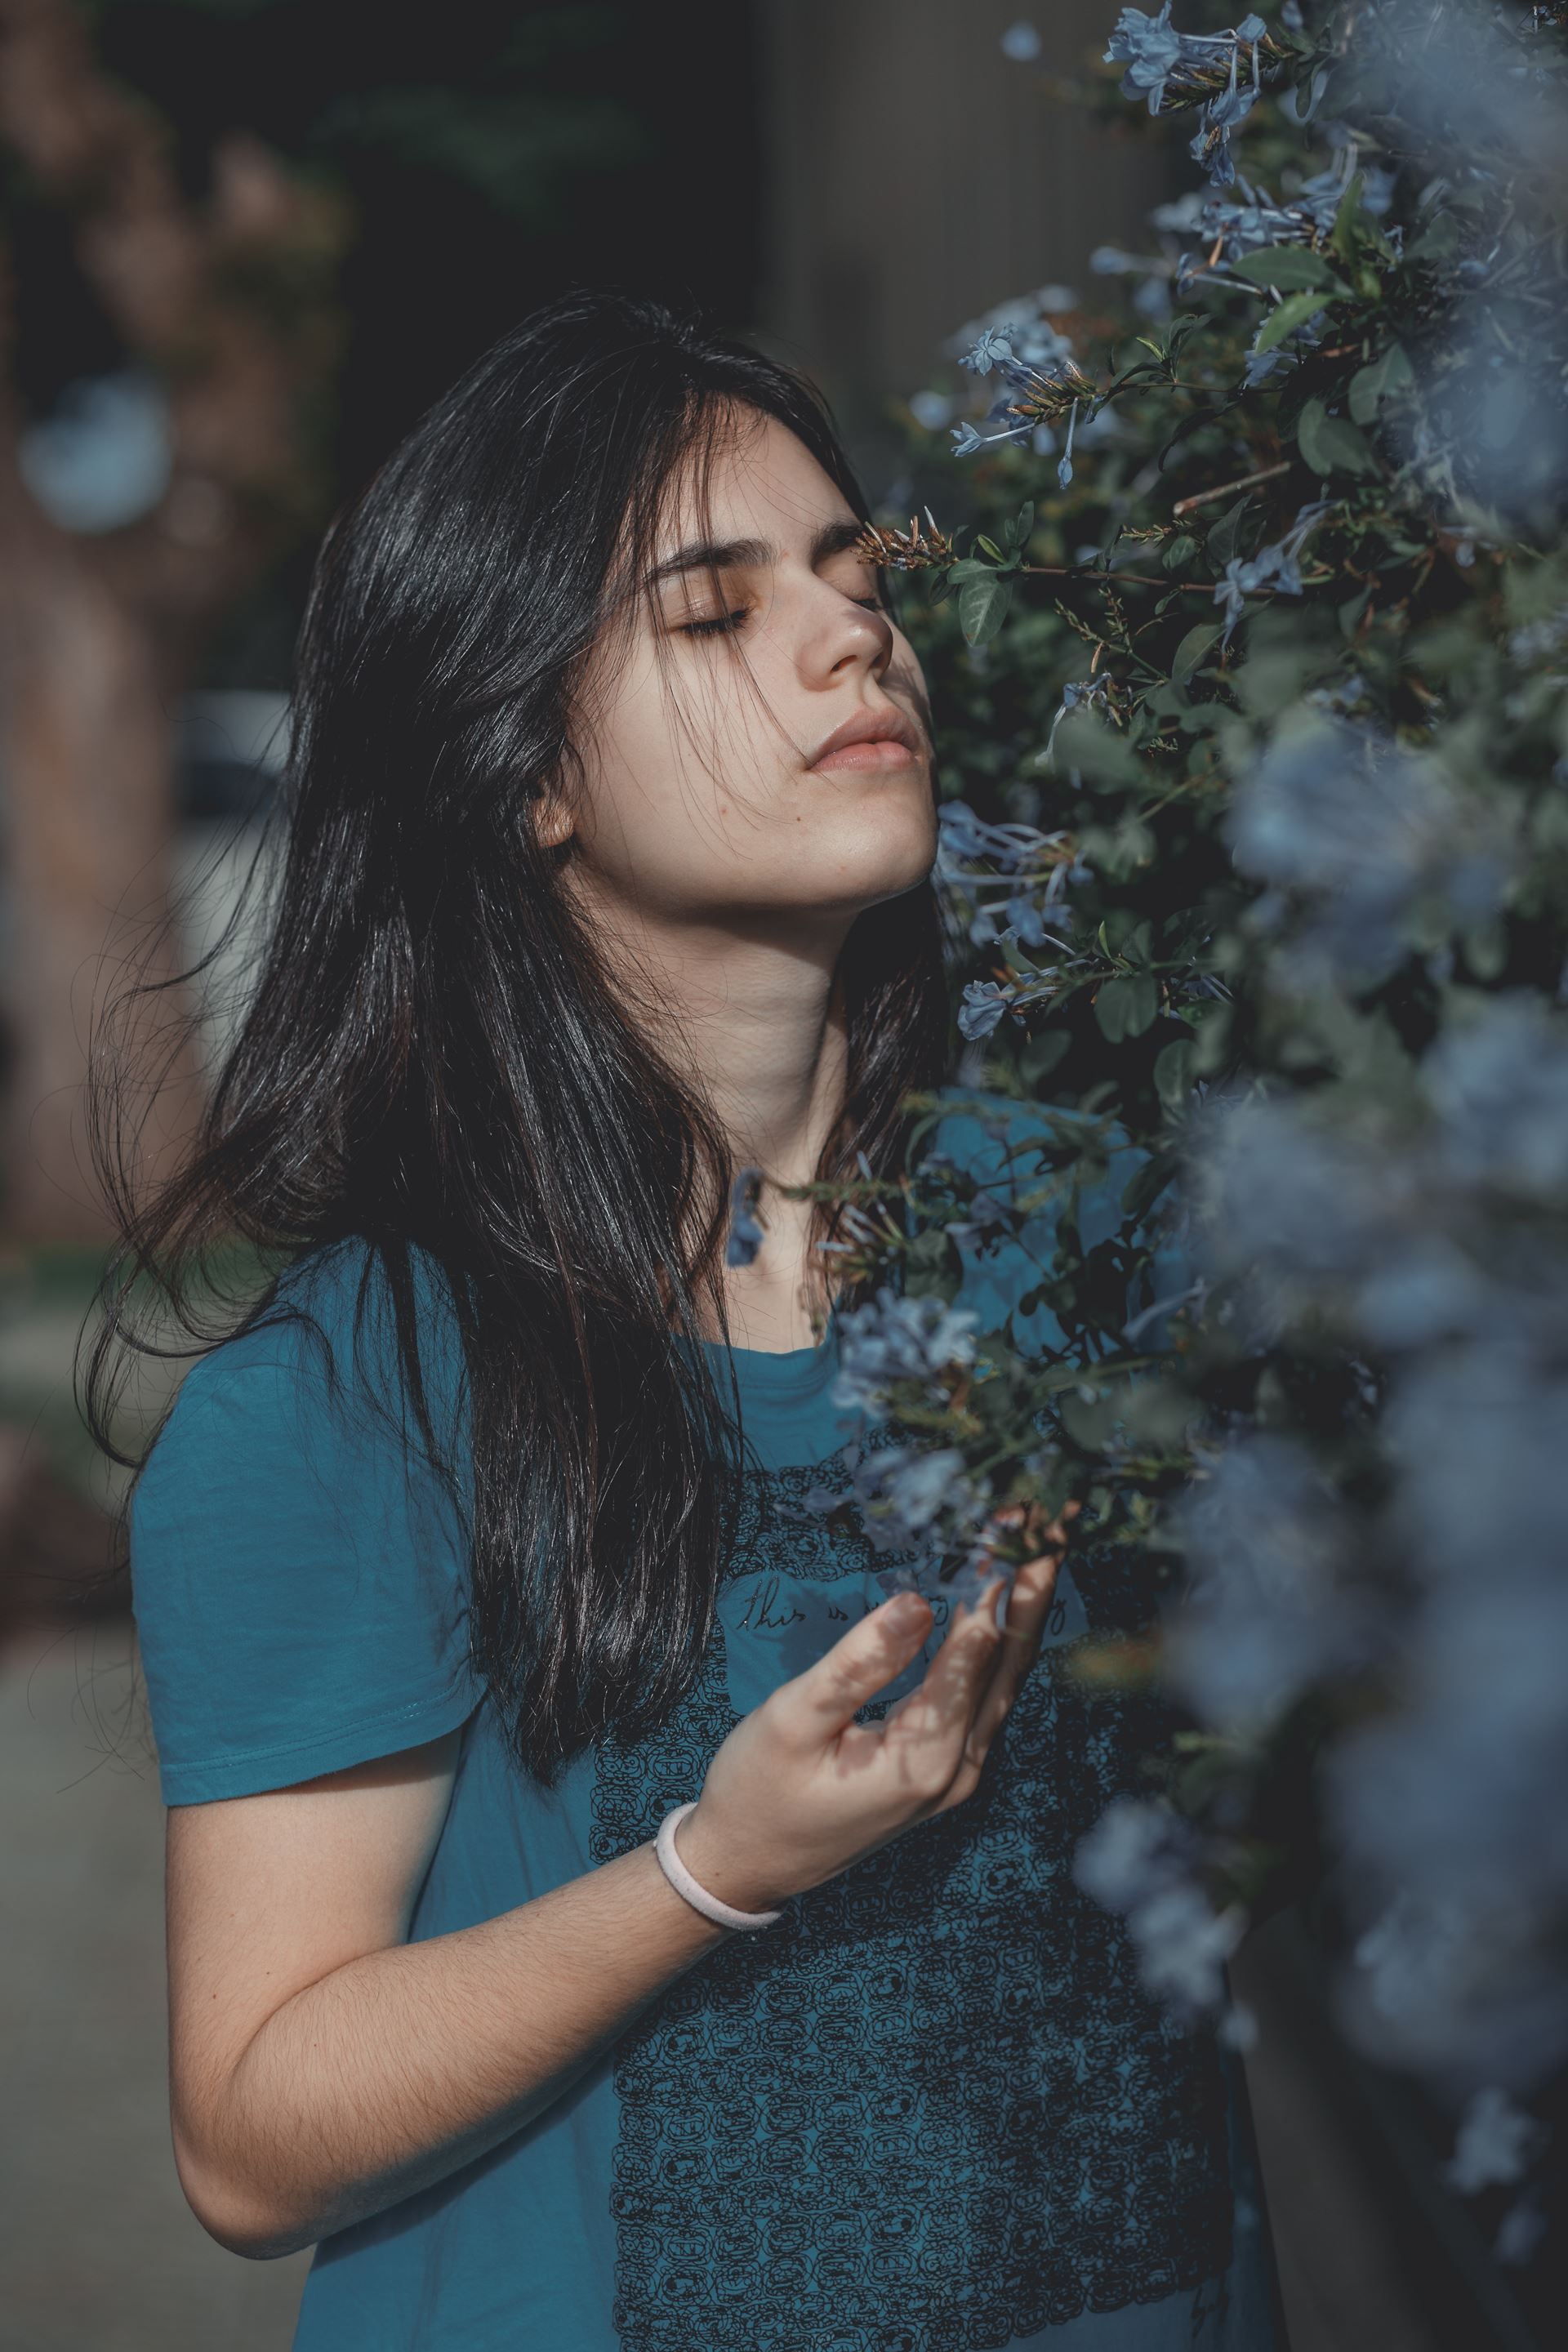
718, 1874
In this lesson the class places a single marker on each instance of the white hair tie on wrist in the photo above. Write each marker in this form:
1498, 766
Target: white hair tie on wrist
680, 1878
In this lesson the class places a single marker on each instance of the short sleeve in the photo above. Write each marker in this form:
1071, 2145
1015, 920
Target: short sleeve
298, 1573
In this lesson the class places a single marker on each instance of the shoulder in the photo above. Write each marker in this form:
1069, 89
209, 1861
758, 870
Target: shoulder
298, 1562
316, 1360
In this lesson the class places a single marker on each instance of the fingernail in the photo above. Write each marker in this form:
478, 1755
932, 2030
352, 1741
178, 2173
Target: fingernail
905, 1609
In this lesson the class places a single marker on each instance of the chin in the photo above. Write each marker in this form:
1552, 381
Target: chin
853, 886
895, 828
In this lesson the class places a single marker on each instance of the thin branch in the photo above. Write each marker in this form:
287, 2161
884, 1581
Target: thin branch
1223, 489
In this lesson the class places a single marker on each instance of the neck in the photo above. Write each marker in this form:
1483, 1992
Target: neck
750, 1014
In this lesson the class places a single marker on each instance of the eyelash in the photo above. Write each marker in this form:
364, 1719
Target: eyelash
725, 625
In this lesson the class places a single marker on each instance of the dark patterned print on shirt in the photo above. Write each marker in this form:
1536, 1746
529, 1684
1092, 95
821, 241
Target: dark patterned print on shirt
932, 2109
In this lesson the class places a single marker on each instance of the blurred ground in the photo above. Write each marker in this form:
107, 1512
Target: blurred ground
98, 2251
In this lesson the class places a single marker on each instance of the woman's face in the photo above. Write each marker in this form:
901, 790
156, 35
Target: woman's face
703, 807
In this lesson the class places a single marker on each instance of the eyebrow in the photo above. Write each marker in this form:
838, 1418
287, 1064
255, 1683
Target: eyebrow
728, 555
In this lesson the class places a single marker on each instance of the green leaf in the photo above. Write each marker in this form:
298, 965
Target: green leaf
1344, 235
1390, 372
1192, 648
1220, 544
990, 546
1333, 445
1040, 1056
1214, 1040
1178, 555
1289, 268
1088, 1425
1485, 947
1174, 1072
1287, 316
1351, 611
1438, 240
1138, 944
1145, 1184
983, 607
1016, 532
1126, 1004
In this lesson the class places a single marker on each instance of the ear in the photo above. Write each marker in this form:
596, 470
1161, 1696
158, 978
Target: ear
552, 821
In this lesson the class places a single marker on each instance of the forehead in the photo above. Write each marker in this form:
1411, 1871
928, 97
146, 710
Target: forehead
756, 480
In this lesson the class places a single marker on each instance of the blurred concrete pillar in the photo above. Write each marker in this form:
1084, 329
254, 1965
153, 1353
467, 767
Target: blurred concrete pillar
917, 175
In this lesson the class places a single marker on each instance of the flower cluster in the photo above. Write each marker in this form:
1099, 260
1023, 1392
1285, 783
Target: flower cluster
890, 1338
1257, 696
1175, 69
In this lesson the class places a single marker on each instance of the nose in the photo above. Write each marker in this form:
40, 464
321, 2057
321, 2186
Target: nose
842, 635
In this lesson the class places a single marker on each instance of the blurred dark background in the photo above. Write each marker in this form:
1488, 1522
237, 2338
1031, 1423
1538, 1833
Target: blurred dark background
243, 243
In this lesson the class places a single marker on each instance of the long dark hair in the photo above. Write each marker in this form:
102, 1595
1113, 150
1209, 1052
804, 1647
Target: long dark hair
433, 1064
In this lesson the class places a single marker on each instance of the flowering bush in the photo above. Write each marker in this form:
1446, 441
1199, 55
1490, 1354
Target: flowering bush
1255, 673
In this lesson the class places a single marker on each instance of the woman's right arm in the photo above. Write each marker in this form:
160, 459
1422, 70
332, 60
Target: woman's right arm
320, 2067
323, 2069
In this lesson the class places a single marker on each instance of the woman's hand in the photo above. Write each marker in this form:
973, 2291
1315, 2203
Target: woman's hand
799, 1790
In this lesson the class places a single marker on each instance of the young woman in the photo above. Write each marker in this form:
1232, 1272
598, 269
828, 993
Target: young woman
481, 1546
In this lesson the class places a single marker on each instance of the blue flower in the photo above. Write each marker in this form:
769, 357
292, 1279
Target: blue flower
1149, 50
983, 1007
917, 1498
1083, 693
896, 1338
1211, 145
1273, 567
1064, 468
988, 348
1021, 42
746, 1236
964, 835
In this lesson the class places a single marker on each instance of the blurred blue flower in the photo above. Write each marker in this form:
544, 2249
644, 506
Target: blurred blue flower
1268, 1608
1499, 1084
1495, 2142
1140, 1859
1361, 828
932, 409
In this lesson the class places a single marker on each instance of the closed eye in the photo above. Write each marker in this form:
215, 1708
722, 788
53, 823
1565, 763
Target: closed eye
728, 623
721, 628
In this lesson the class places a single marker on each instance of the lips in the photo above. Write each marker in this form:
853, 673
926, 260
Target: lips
871, 738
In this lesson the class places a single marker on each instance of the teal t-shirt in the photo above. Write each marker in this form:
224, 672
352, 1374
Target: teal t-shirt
932, 2110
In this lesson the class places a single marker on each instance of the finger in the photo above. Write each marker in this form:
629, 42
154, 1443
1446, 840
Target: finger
825, 1697
1028, 1606
943, 1707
